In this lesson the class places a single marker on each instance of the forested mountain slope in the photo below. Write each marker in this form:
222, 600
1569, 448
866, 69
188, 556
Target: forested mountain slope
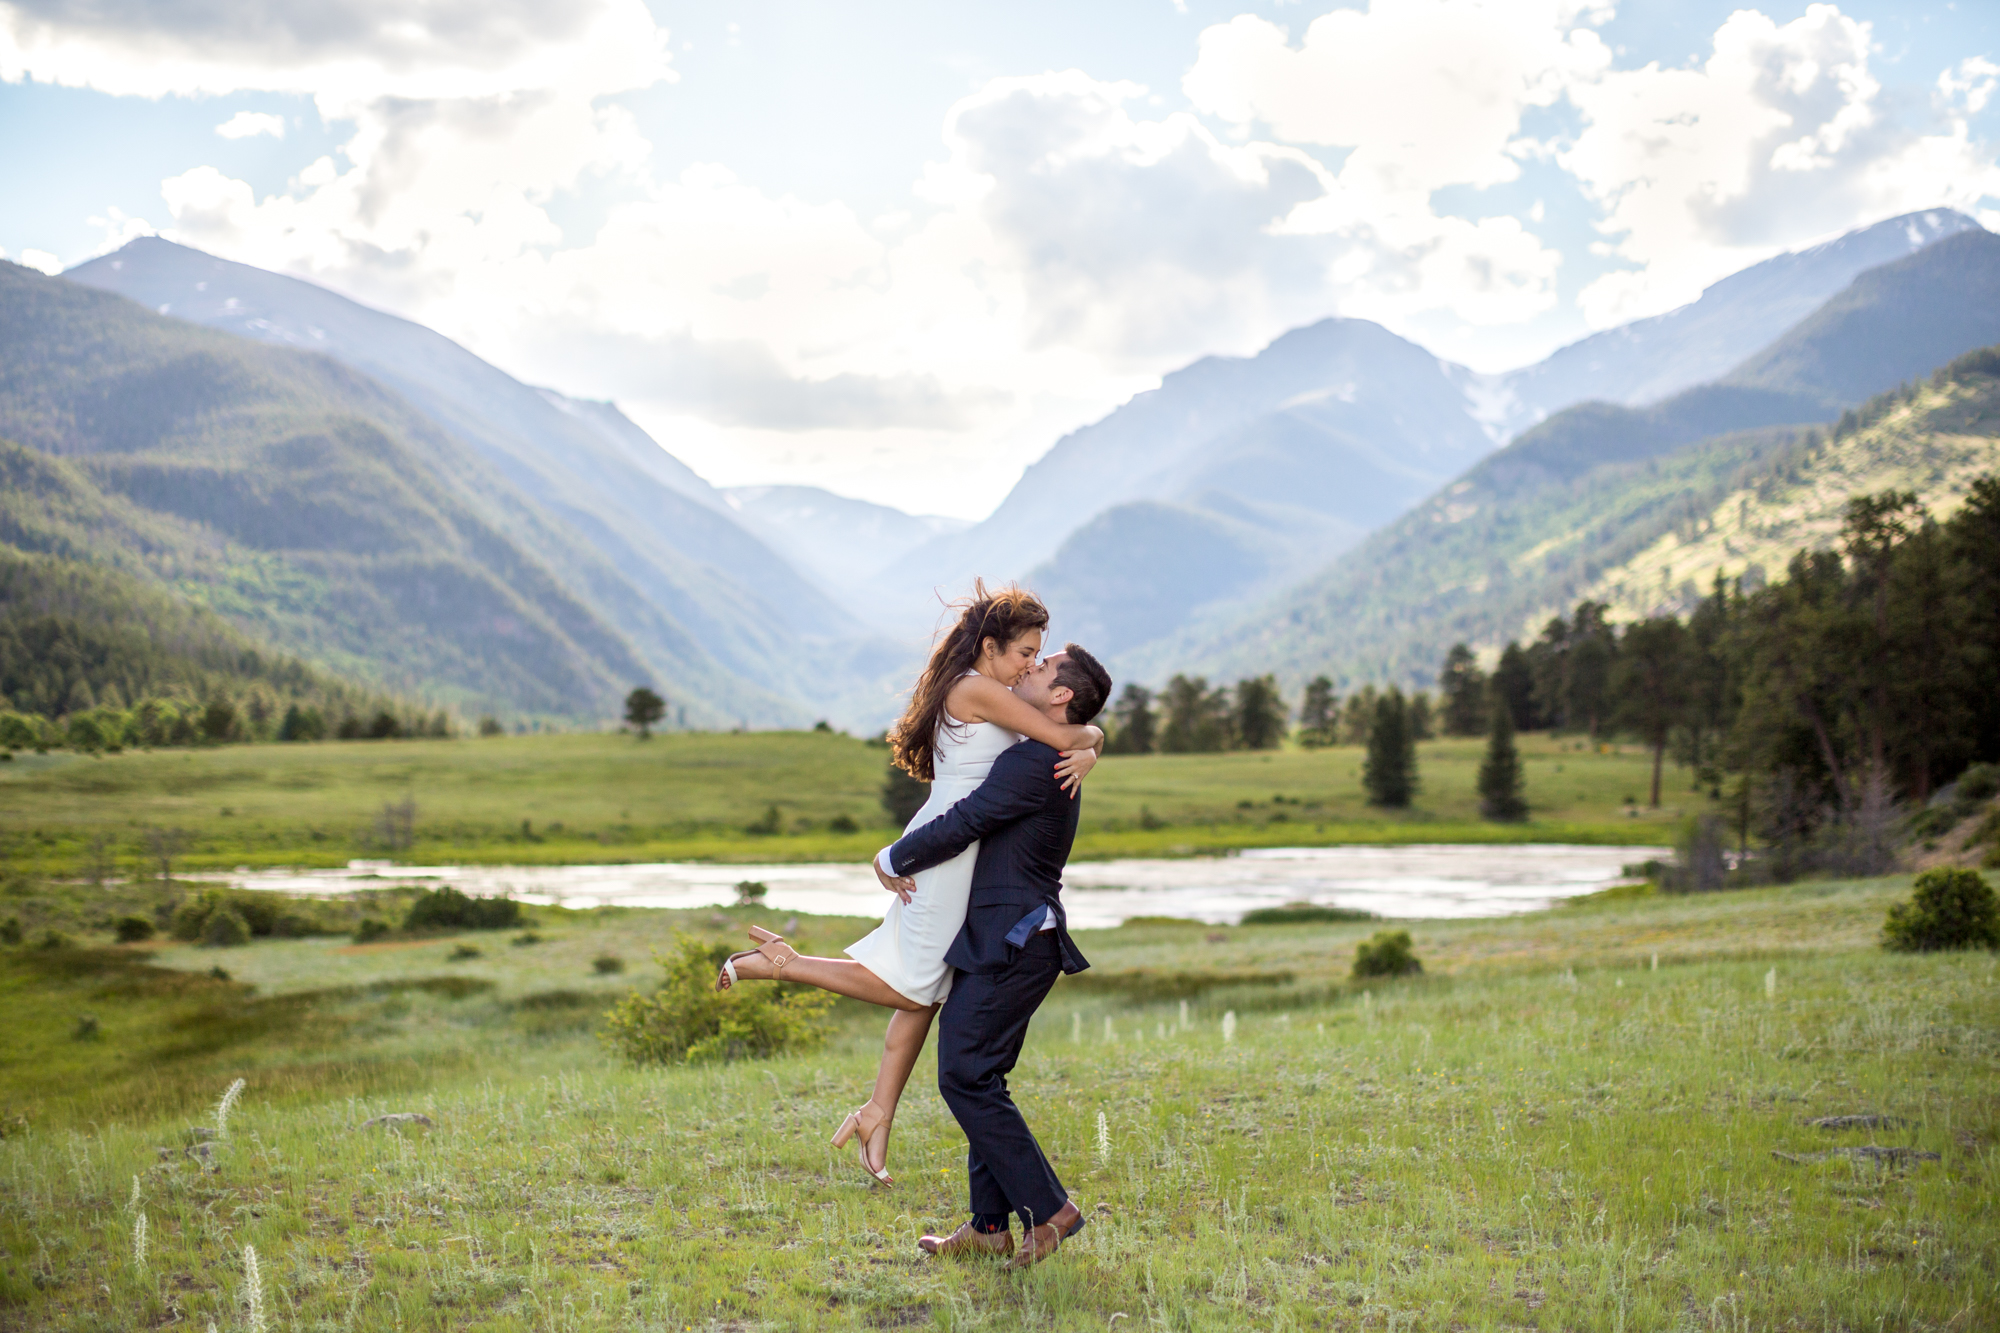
76, 635
1932, 438
313, 508
597, 484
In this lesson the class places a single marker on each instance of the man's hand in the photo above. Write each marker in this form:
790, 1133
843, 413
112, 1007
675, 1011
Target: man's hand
903, 886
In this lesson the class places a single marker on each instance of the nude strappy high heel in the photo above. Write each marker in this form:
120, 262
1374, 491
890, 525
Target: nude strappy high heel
858, 1121
770, 944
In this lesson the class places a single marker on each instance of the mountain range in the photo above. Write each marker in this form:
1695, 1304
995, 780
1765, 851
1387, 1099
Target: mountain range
1538, 524
362, 493
1240, 477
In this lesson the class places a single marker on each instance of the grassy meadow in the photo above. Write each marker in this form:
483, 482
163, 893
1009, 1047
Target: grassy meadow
1573, 1120
558, 799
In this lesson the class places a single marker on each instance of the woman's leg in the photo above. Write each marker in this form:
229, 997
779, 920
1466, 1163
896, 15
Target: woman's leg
842, 976
901, 1045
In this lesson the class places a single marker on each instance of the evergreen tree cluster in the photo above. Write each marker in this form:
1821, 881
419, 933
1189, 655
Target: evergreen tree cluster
1862, 679
1190, 716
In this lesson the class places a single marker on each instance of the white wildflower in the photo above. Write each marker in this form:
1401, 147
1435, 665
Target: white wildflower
1229, 1026
1076, 1027
1184, 1016
253, 1285
1110, 1033
225, 1106
1771, 984
139, 1242
133, 1202
1103, 1140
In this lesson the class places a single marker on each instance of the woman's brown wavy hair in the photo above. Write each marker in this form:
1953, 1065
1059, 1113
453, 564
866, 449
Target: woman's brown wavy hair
1003, 615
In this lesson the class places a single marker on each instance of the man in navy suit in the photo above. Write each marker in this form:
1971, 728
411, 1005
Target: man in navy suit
1014, 944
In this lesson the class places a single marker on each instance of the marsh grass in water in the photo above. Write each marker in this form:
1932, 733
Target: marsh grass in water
1543, 1130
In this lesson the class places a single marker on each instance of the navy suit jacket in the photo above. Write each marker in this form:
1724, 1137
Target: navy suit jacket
1024, 823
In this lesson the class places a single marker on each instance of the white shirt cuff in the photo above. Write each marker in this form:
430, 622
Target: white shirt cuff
882, 860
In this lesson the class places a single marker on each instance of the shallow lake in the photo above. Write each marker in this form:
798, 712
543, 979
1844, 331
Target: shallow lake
1406, 882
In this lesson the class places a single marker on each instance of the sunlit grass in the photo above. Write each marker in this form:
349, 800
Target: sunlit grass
1546, 1130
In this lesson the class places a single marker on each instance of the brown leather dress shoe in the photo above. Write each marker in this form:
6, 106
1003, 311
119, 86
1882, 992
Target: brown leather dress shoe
1044, 1240
966, 1241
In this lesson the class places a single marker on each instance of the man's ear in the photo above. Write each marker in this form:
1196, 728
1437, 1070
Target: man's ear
1059, 695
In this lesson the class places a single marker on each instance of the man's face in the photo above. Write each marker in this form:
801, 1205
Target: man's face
1035, 686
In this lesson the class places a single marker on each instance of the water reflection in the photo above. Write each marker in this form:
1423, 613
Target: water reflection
1407, 882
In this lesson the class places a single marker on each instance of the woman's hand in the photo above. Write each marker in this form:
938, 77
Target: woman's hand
1075, 766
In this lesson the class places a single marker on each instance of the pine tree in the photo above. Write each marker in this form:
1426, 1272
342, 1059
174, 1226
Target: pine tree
1389, 774
1319, 714
1514, 681
1260, 714
1463, 686
1134, 722
1501, 789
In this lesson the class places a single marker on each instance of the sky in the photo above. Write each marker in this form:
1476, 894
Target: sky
896, 249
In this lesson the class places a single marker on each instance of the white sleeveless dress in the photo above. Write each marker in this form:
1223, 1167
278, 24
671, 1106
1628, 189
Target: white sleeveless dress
907, 949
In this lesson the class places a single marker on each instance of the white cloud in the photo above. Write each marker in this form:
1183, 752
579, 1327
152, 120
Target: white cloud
1781, 137
1428, 93
248, 124
42, 260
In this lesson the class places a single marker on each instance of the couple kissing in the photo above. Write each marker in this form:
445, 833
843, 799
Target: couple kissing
977, 926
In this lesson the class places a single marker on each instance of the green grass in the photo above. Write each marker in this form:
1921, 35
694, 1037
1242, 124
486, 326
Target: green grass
1543, 1131
558, 799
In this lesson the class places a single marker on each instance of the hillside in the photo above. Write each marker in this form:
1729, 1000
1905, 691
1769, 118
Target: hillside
1528, 530
312, 507
1650, 359
1198, 439
1935, 440
841, 543
75, 636
656, 553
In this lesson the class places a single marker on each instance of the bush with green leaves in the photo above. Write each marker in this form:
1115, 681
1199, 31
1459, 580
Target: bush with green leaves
1387, 954
225, 928
371, 929
132, 929
445, 908
688, 1021
1949, 908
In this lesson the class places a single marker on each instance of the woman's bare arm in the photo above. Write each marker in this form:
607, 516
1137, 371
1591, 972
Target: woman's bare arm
983, 699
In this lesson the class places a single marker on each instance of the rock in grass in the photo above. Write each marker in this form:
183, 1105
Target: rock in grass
396, 1120
1858, 1122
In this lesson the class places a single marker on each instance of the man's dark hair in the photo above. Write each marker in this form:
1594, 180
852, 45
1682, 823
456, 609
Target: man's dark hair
1088, 682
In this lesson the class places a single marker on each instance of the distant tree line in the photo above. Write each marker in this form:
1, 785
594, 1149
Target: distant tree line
1189, 716
217, 720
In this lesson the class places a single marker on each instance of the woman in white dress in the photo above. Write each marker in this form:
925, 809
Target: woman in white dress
962, 716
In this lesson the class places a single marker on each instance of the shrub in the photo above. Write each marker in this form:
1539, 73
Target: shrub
1387, 954
461, 952
1949, 908
766, 824
1294, 913
688, 1021
607, 963
447, 909
225, 929
1981, 782
842, 824
132, 929
750, 892
10, 930
372, 928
